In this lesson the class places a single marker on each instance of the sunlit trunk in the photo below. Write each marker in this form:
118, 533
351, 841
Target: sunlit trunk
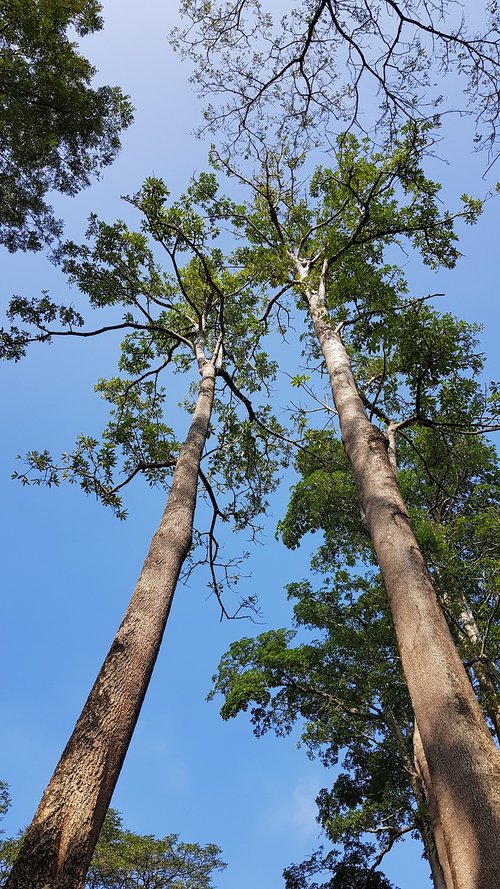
61, 839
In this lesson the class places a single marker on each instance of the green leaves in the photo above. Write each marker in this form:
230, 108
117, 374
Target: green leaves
344, 691
182, 303
125, 860
57, 131
38, 313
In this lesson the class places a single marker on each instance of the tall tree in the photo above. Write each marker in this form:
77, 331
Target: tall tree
200, 316
56, 130
346, 686
328, 249
271, 72
317, 245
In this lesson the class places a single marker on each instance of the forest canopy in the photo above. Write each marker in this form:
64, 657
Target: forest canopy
57, 130
275, 331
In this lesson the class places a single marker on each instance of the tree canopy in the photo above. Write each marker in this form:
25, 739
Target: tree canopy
196, 301
126, 860
266, 74
56, 129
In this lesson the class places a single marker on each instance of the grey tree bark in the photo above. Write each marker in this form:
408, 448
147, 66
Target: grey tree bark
61, 838
463, 762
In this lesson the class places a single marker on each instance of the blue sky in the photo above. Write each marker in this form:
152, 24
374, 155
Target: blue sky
69, 567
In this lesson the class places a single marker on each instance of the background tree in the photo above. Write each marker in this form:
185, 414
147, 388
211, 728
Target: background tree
200, 317
56, 130
126, 860
4, 805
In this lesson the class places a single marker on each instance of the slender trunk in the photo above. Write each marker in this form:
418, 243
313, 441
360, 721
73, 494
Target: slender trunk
486, 682
464, 765
61, 839
423, 817
435, 847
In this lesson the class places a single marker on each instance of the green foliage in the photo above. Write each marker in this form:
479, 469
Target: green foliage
195, 307
126, 860
345, 690
326, 480
452, 486
348, 215
417, 373
411, 363
57, 131
8, 847
351, 872
8, 853
343, 686
4, 798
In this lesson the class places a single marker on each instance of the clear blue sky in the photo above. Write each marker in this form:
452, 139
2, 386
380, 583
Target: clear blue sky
69, 567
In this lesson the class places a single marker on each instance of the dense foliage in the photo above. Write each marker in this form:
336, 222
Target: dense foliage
126, 860
56, 130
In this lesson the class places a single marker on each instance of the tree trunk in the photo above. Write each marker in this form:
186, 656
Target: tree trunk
464, 765
424, 820
60, 841
436, 852
481, 669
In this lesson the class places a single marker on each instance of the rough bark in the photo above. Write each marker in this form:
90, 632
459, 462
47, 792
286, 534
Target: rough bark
436, 848
464, 765
61, 839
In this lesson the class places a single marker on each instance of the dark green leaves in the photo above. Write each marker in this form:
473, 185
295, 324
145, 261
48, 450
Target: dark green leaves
56, 130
